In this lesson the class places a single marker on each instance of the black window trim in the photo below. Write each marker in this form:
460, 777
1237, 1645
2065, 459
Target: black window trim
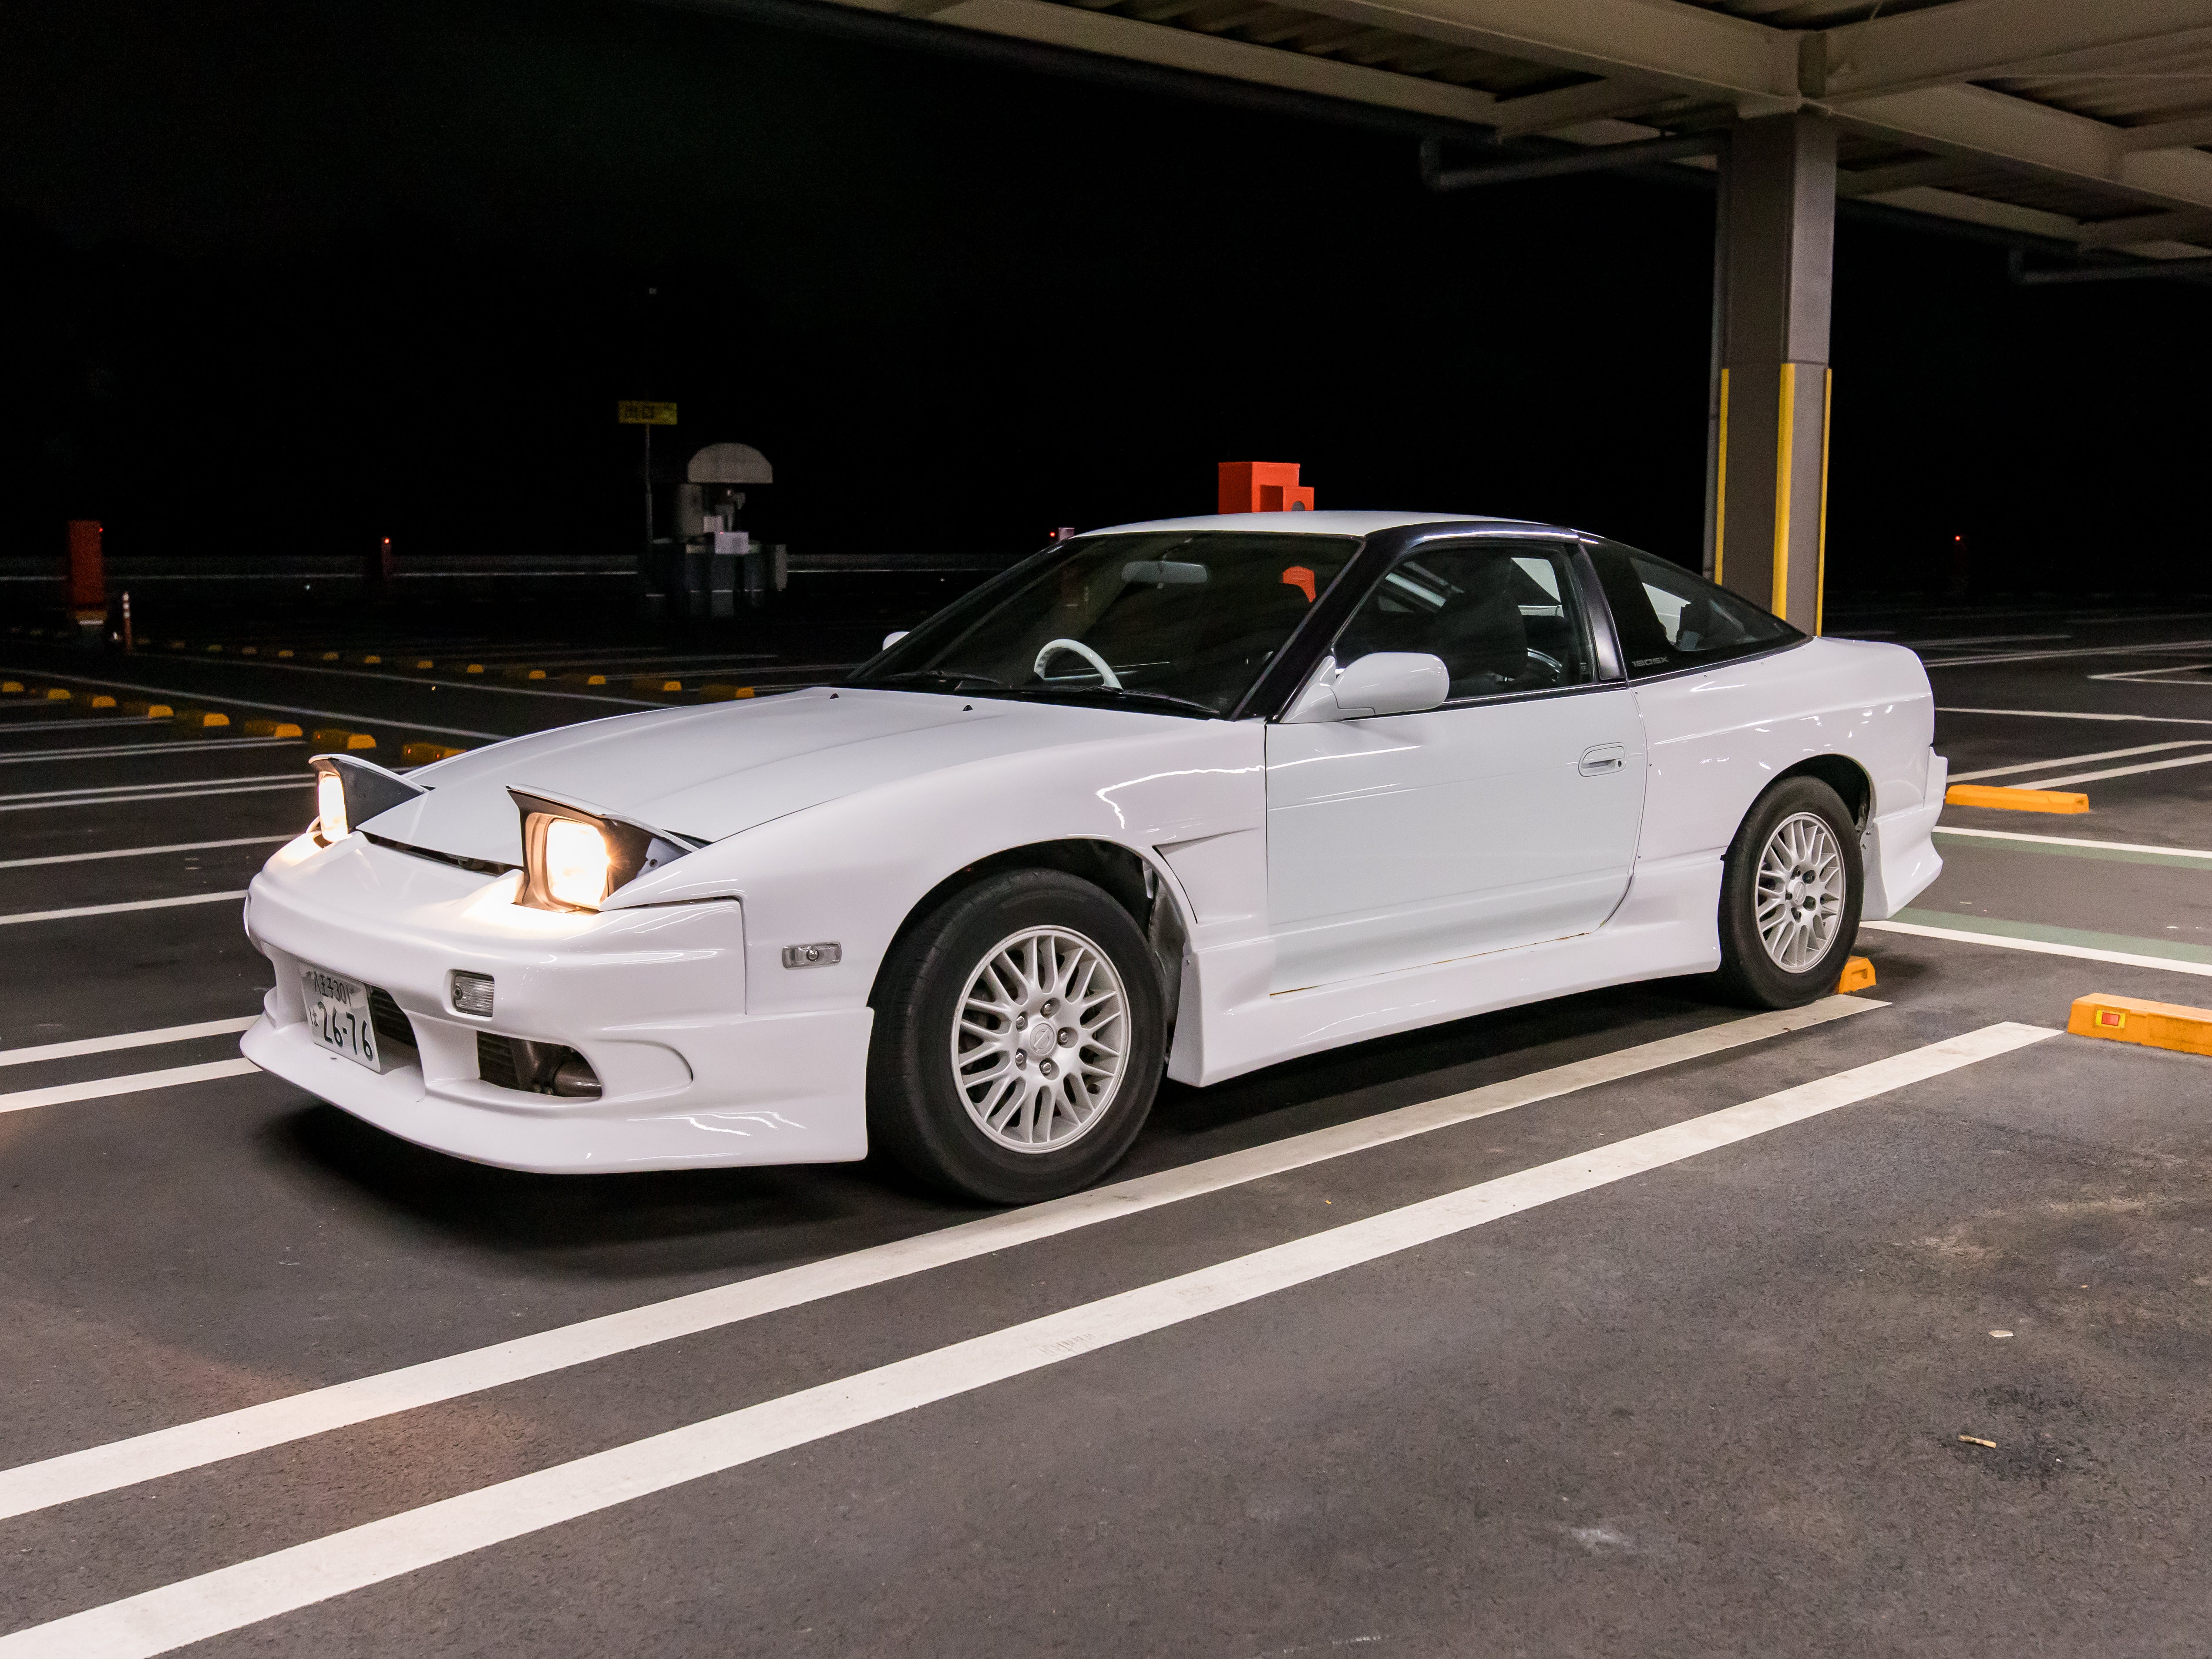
1382, 552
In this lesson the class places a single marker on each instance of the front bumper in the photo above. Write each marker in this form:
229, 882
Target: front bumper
654, 999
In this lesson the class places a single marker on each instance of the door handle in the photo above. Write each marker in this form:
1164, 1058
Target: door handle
1601, 759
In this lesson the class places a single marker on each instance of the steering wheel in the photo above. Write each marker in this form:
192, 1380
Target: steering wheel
1106, 674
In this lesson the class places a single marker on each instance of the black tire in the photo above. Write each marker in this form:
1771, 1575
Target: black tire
1750, 974
917, 1112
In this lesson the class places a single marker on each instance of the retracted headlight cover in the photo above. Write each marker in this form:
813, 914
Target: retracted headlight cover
563, 871
354, 790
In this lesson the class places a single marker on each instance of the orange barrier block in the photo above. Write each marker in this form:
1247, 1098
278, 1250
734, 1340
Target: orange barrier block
1858, 975
269, 728
199, 717
722, 693
2153, 1024
336, 737
2014, 800
421, 754
1262, 487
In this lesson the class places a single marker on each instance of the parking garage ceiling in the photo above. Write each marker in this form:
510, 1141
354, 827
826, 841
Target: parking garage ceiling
2081, 123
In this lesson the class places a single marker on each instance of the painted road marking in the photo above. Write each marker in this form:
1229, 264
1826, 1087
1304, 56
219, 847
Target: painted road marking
149, 1457
2017, 656
118, 909
2117, 772
95, 790
248, 1592
135, 1083
153, 795
448, 684
288, 709
124, 1040
2068, 840
1982, 639
148, 852
93, 723
110, 750
2079, 760
2047, 941
2080, 715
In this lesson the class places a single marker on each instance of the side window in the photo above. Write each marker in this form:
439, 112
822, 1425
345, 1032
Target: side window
1502, 616
1669, 617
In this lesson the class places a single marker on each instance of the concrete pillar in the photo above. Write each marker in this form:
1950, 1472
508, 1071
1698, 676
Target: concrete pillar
1771, 482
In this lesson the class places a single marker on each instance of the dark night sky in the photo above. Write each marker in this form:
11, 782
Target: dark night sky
297, 276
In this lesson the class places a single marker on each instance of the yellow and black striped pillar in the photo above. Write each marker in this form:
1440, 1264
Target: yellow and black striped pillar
1770, 477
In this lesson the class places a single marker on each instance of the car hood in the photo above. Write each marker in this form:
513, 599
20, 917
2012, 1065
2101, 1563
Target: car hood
713, 772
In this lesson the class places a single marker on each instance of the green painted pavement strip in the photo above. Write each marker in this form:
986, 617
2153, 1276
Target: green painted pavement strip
2170, 950
2110, 855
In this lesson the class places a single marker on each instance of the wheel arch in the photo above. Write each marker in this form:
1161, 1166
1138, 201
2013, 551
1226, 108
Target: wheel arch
1849, 780
1140, 885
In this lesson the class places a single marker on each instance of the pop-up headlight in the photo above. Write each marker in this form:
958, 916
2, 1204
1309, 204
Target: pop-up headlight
573, 856
349, 791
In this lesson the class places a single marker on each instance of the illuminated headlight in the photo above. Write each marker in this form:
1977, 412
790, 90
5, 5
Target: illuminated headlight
350, 790
330, 805
577, 862
574, 856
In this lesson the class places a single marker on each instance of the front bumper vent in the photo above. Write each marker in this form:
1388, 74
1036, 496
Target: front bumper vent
543, 1068
391, 1025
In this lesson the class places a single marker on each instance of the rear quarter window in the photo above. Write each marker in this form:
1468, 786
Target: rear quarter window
1670, 618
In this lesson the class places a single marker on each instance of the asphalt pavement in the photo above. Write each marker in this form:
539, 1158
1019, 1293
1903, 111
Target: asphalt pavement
1622, 1325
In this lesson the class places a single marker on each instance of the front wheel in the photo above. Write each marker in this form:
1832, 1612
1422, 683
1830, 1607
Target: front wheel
1790, 896
1018, 1040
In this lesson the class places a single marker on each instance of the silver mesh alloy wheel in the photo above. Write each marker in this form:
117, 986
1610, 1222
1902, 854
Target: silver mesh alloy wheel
1040, 1039
1801, 892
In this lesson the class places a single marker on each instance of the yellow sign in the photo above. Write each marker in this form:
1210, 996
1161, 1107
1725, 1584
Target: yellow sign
637, 414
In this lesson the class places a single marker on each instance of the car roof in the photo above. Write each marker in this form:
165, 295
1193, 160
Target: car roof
1335, 522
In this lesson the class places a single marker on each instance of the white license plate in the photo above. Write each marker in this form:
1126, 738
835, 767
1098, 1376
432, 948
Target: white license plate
338, 1015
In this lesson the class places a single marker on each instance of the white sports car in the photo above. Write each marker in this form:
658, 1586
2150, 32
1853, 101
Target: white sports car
1194, 797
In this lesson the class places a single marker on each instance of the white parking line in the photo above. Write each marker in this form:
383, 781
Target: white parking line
444, 683
276, 708
2080, 714
141, 852
18, 804
86, 723
2116, 772
2076, 841
160, 1452
2078, 760
110, 752
103, 1045
2074, 651
136, 1083
95, 790
2042, 946
118, 909
229, 1598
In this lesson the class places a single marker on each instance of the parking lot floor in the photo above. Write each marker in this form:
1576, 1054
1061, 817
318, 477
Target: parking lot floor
1733, 1347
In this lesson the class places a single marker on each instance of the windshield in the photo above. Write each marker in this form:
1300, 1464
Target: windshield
1181, 622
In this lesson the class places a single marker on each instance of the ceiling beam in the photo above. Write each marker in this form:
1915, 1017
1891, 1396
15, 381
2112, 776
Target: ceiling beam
1974, 122
2184, 133
1906, 175
1977, 39
2144, 228
1111, 36
1568, 106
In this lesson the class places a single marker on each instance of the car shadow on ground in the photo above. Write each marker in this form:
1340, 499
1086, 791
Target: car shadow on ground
658, 1224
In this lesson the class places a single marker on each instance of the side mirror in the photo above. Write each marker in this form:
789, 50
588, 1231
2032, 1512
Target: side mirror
895, 636
1380, 683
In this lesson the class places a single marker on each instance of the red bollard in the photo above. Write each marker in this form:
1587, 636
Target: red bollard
88, 577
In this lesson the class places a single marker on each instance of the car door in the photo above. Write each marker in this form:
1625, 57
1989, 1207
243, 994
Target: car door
1507, 816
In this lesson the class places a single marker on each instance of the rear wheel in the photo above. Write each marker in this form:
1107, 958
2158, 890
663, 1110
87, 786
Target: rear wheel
1790, 896
1018, 1040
